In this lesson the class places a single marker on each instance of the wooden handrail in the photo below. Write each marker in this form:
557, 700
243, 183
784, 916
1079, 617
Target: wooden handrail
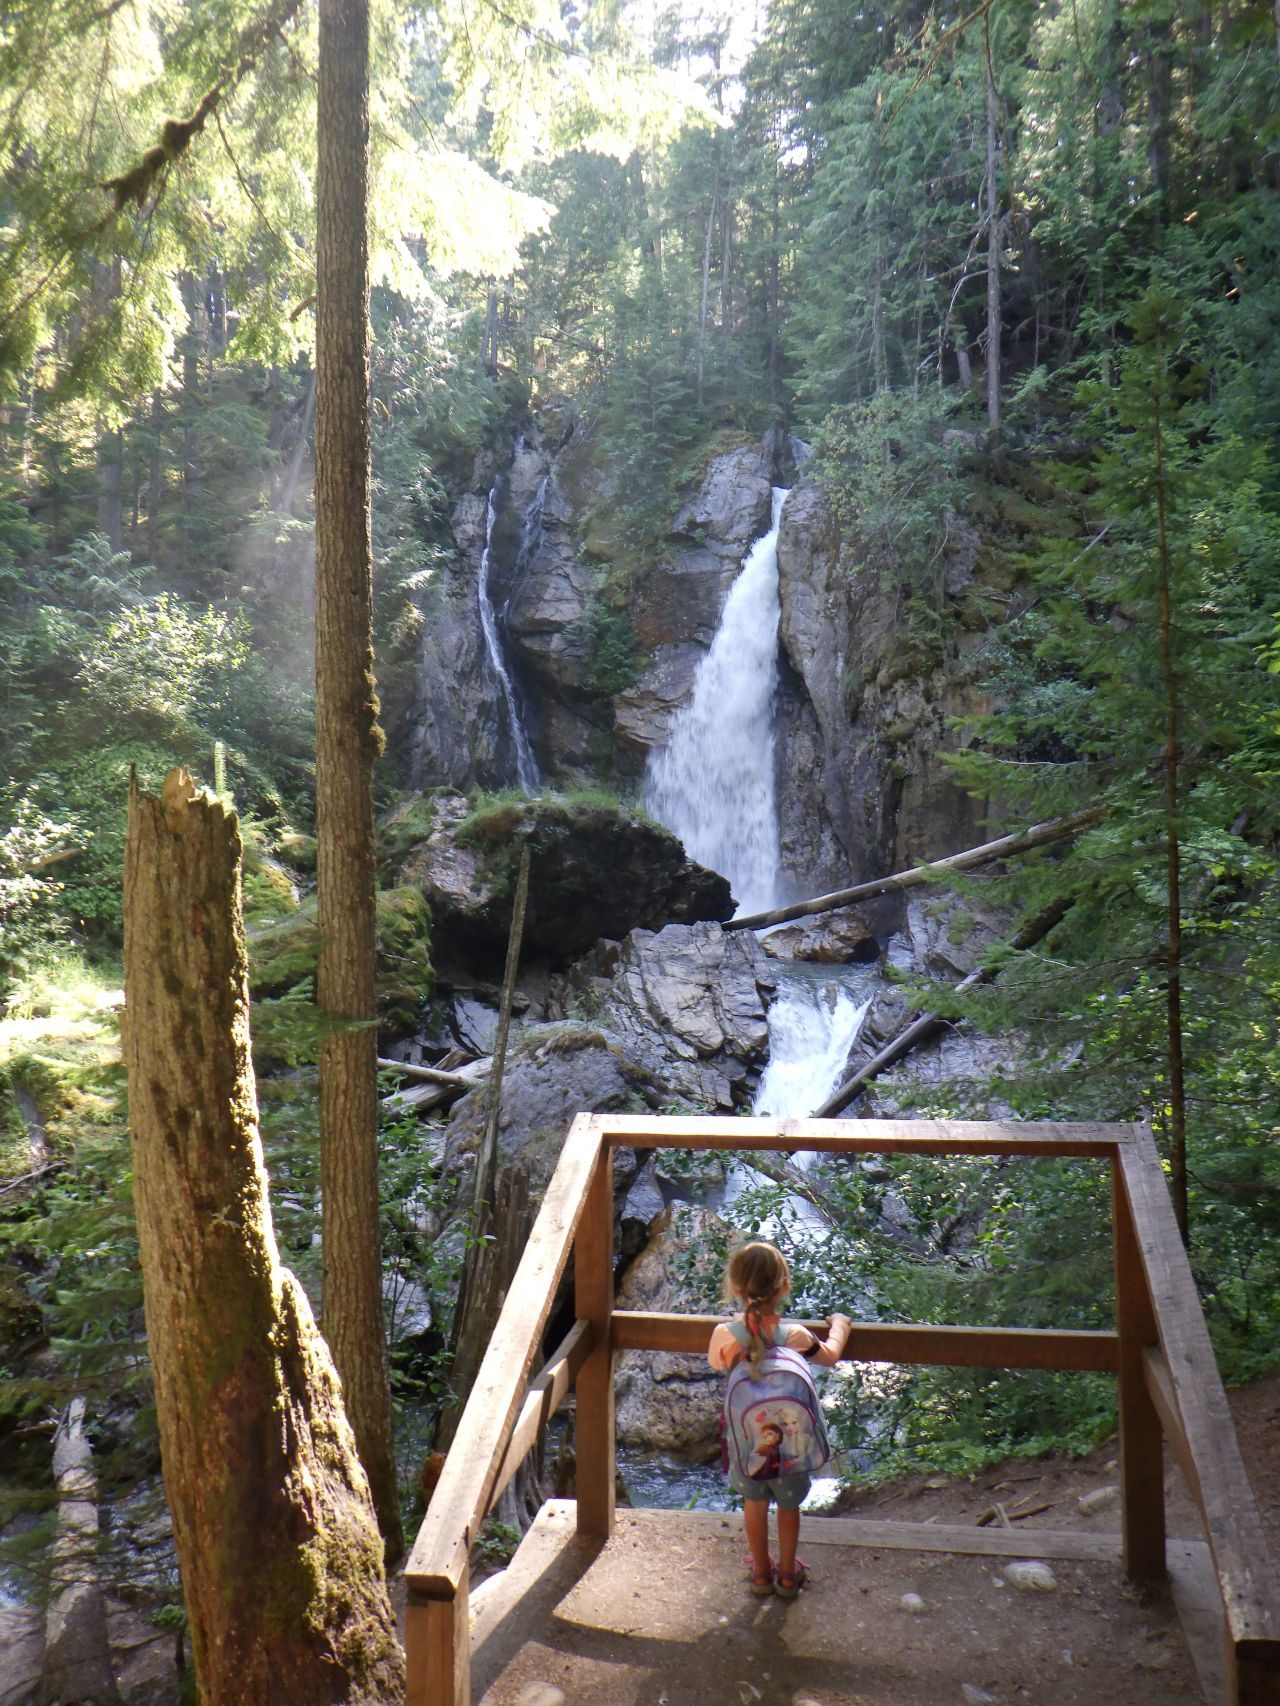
546, 1394
912, 1342
864, 1137
1202, 1431
438, 1562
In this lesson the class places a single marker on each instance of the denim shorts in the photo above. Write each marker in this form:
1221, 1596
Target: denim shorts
788, 1492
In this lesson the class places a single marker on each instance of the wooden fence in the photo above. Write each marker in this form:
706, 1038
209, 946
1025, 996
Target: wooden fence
1159, 1351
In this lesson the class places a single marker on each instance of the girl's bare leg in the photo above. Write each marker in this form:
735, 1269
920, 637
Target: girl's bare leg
788, 1540
755, 1519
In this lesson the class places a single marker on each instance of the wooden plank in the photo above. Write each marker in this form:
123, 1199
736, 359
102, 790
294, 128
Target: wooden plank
545, 1396
439, 1557
1141, 1452
1159, 1384
1246, 1574
866, 1137
438, 1650
912, 1342
1253, 1672
1080, 1545
594, 1433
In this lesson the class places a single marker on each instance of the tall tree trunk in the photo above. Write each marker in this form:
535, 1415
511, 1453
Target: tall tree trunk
154, 479
272, 1520
110, 484
348, 744
192, 345
702, 300
993, 252
1159, 56
489, 337
1173, 858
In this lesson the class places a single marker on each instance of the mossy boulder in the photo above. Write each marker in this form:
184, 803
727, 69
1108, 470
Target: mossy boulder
282, 955
596, 870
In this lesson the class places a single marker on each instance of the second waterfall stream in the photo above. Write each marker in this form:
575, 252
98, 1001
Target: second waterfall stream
714, 786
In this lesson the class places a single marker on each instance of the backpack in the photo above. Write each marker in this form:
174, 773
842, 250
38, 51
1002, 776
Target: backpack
772, 1424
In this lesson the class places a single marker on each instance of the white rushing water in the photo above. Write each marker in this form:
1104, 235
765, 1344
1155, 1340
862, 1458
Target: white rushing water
527, 773
812, 1027
713, 785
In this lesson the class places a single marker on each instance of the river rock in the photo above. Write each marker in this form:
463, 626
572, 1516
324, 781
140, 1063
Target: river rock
553, 1074
841, 937
664, 1401
596, 871
696, 986
1030, 1575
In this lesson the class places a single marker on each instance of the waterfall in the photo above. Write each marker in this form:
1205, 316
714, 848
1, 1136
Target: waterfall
713, 785
527, 773
812, 1027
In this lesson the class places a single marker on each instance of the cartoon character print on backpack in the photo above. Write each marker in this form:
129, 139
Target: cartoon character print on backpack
772, 1421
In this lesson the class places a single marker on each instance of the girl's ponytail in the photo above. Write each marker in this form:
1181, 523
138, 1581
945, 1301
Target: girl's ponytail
758, 1275
751, 1320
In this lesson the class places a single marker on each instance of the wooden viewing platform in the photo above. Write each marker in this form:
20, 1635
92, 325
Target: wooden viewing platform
1169, 1388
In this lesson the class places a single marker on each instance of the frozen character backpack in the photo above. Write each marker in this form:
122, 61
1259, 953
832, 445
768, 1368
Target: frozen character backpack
772, 1424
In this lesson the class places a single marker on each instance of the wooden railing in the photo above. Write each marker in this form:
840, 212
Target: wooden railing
1167, 1377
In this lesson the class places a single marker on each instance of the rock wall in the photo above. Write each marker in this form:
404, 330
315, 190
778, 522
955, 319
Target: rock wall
867, 709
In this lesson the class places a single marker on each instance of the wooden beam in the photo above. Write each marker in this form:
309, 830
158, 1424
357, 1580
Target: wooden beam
1025, 839
874, 1341
1246, 1574
437, 1643
1141, 1452
866, 1137
439, 1558
545, 1396
595, 1439
1159, 1384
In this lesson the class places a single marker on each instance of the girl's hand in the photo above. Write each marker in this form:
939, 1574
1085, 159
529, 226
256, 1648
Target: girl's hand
842, 1323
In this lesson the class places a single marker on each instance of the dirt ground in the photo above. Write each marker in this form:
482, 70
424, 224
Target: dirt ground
663, 1618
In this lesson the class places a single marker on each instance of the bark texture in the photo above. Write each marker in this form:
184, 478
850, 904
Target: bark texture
277, 1542
348, 743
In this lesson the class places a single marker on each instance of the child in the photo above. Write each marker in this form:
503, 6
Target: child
758, 1279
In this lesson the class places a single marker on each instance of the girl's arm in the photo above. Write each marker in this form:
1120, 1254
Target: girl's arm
831, 1348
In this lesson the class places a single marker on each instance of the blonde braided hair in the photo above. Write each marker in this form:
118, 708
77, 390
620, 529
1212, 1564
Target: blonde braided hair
758, 1277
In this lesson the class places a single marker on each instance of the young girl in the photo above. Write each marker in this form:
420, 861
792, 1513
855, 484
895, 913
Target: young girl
759, 1280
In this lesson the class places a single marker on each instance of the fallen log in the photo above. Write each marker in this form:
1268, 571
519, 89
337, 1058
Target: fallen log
1039, 835
77, 1655
924, 1024
465, 1079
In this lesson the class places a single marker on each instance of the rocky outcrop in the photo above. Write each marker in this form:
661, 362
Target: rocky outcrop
556, 1073
595, 871
869, 711
664, 1401
457, 737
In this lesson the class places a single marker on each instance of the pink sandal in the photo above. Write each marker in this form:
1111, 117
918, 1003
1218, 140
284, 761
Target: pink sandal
787, 1584
761, 1585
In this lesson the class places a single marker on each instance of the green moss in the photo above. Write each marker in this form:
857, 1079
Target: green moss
406, 827
283, 954
406, 976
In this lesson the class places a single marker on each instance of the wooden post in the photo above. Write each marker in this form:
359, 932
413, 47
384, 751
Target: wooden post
437, 1648
593, 1293
1141, 1436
